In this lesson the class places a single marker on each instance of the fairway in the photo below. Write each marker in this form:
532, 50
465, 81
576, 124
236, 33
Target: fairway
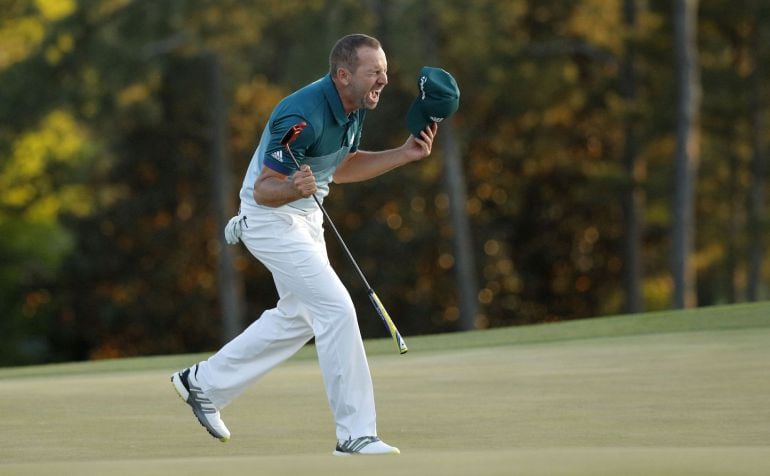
666, 393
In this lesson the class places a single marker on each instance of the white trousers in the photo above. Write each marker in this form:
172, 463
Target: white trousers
313, 302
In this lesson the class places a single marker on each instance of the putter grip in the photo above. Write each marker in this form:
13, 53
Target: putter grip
399, 341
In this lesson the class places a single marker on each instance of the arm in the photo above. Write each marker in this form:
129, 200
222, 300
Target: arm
363, 165
273, 189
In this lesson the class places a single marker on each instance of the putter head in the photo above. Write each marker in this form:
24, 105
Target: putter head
293, 132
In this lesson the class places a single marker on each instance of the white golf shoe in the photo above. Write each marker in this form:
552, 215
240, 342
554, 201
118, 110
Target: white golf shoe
187, 387
366, 445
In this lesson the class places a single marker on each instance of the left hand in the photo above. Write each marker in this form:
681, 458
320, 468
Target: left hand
234, 229
420, 147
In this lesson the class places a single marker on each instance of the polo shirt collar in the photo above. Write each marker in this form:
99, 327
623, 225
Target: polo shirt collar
333, 98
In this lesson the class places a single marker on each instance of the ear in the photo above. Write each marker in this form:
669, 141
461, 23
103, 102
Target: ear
343, 76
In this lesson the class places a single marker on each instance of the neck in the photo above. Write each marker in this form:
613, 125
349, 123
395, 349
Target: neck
347, 105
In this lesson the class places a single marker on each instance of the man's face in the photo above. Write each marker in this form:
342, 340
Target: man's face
369, 79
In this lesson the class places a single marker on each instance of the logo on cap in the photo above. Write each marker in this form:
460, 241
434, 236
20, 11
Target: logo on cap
423, 80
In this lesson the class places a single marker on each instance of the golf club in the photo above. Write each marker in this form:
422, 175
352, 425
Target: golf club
290, 136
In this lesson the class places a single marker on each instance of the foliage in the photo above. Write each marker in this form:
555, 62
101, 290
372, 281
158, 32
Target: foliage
109, 237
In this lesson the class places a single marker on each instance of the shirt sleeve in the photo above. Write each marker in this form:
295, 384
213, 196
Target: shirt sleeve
276, 156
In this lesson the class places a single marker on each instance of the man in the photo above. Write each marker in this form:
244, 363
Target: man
281, 225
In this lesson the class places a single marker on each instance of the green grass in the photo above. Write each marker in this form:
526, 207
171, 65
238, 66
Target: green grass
660, 393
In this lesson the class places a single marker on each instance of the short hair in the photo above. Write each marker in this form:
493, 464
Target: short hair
345, 51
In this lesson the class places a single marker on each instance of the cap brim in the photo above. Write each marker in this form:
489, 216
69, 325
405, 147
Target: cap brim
415, 119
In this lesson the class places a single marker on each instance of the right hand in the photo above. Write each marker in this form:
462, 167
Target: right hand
417, 148
303, 181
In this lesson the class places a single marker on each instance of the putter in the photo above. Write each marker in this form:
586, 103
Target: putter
290, 136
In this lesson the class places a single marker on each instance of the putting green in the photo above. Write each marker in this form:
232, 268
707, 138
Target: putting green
687, 400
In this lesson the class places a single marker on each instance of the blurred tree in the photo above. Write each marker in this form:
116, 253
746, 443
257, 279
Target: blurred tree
43, 176
455, 186
633, 196
32, 242
229, 280
687, 151
757, 223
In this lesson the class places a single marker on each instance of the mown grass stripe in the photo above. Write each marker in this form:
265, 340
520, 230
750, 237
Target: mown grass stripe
738, 316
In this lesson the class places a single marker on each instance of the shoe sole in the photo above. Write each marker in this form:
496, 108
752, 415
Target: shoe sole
345, 454
184, 395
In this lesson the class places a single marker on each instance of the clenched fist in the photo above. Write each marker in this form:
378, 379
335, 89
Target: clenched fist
303, 181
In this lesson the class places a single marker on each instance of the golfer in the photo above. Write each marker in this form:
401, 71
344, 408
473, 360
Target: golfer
282, 226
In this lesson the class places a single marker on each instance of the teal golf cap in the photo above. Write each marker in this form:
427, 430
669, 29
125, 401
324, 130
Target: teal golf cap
438, 98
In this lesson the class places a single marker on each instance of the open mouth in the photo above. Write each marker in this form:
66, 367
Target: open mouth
374, 96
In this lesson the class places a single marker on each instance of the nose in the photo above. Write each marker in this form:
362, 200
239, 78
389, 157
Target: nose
383, 79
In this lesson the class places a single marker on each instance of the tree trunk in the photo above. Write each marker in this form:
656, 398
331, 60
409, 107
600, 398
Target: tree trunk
229, 279
633, 197
454, 177
758, 170
465, 264
733, 228
687, 152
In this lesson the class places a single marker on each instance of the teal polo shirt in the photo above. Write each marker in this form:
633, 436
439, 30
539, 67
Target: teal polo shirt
329, 136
